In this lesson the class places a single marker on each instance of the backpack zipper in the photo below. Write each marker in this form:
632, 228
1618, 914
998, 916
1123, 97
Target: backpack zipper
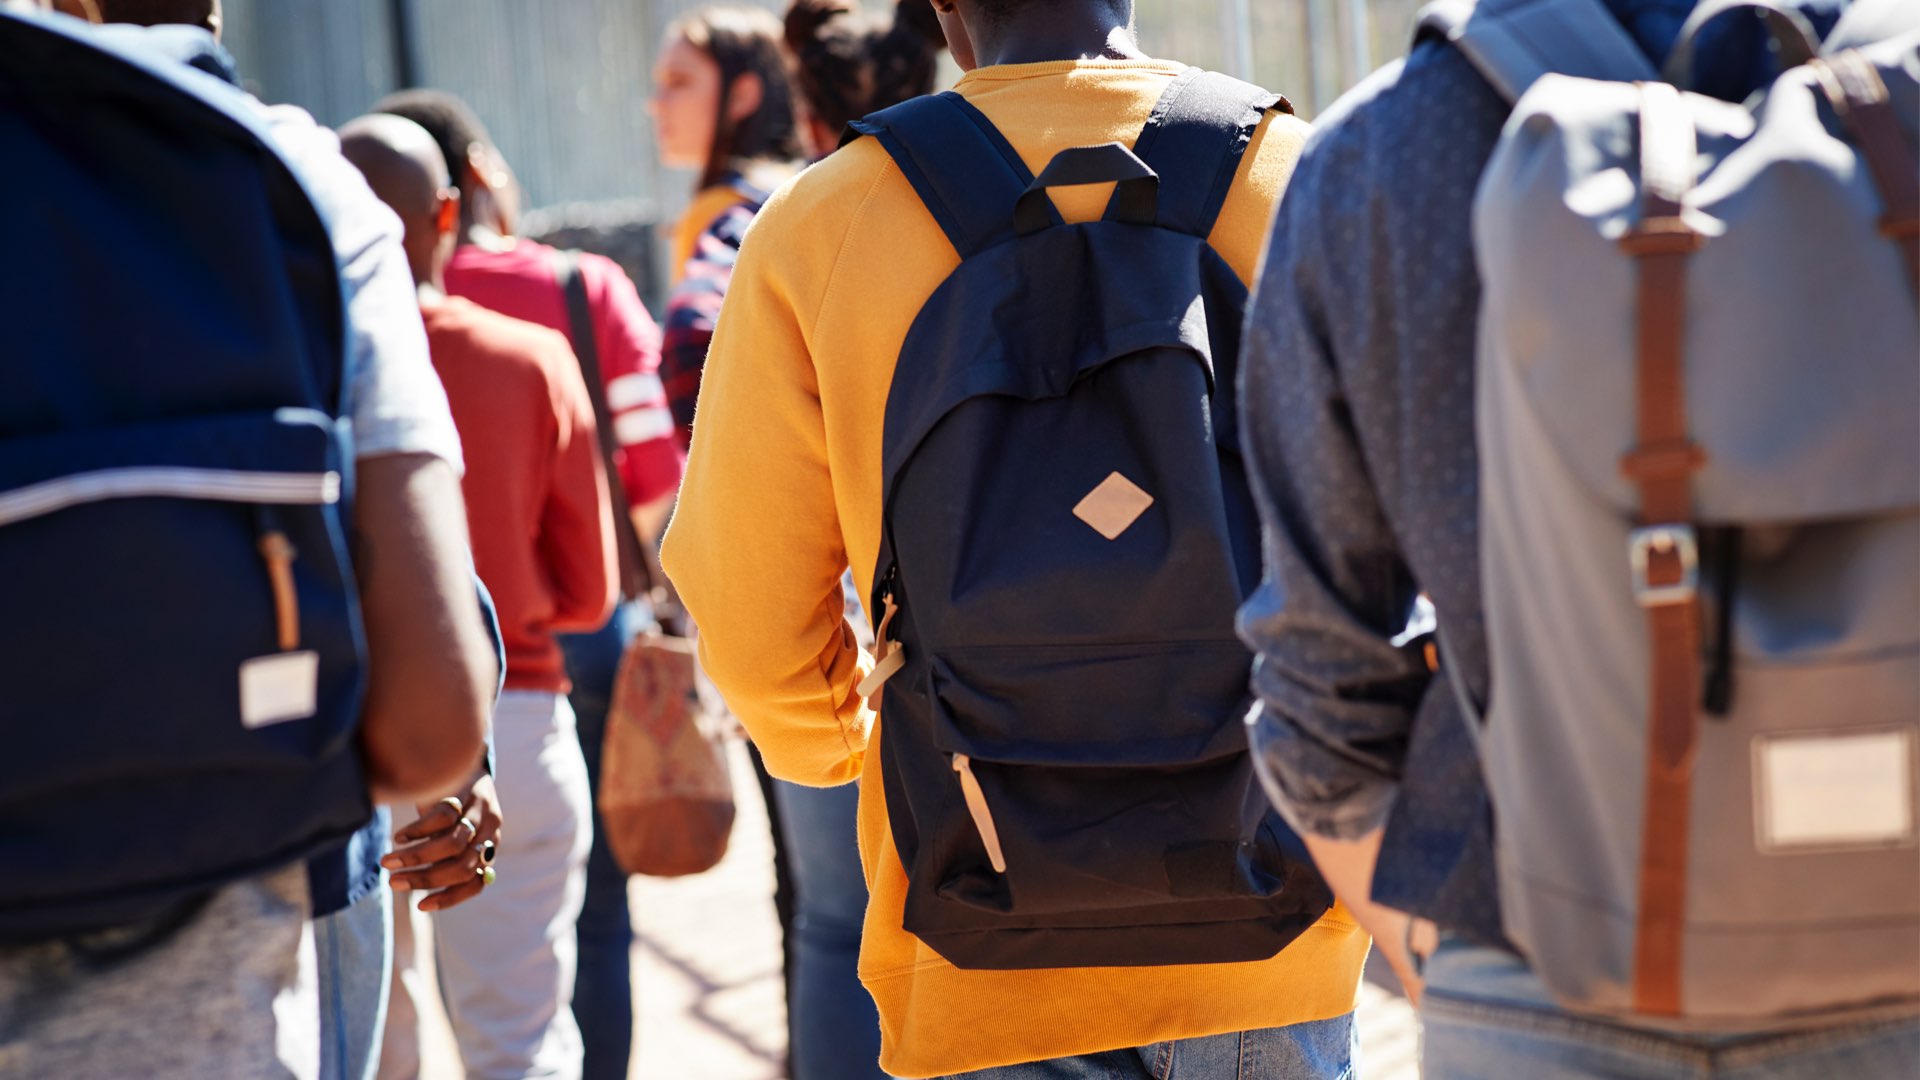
977, 809
278, 553
889, 657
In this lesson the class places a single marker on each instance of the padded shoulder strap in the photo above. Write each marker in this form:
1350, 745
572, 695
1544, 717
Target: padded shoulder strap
963, 169
1194, 140
1512, 43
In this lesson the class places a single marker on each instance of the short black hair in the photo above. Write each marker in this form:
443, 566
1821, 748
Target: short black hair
996, 10
450, 121
159, 12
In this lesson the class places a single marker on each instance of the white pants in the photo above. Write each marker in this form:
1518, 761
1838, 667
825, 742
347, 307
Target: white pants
506, 958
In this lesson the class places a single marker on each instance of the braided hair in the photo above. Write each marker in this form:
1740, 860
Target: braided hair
850, 64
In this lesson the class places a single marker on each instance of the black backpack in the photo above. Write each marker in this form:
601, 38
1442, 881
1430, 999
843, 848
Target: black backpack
181, 687
1067, 536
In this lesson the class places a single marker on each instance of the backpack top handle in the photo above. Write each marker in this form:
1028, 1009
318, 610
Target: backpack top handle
1136, 197
1793, 36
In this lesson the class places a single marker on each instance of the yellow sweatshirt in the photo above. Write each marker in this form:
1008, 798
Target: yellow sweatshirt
783, 491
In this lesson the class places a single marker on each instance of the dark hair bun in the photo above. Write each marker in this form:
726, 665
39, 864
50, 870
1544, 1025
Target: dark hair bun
919, 17
806, 18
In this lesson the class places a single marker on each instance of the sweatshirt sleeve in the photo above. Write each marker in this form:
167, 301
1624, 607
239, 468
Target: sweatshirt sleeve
576, 522
755, 547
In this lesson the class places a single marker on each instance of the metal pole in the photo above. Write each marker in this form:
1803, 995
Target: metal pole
1323, 51
408, 65
1361, 43
1236, 25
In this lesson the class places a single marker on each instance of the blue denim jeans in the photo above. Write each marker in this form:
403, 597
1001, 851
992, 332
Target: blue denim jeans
354, 951
1321, 1050
603, 986
832, 1025
1486, 1016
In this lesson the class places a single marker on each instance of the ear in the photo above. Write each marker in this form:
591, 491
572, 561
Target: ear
446, 217
745, 97
945, 7
79, 9
480, 168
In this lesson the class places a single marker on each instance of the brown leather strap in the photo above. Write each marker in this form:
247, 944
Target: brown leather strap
1662, 552
1860, 97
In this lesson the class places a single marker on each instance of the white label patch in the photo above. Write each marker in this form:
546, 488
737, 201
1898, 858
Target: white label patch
1834, 791
278, 688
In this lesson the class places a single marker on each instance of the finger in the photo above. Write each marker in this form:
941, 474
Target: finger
439, 875
441, 847
488, 824
450, 897
437, 818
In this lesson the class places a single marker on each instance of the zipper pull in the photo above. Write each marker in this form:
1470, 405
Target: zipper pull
888, 657
279, 553
982, 817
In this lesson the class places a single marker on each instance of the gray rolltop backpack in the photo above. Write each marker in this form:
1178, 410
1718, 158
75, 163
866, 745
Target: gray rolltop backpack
1699, 431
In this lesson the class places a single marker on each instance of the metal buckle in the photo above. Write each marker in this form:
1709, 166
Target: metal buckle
1677, 539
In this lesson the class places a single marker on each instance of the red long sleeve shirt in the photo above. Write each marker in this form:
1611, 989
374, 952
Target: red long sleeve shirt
519, 281
536, 493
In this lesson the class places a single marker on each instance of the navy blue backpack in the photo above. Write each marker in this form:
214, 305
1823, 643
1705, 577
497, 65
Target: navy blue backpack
182, 665
1067, 537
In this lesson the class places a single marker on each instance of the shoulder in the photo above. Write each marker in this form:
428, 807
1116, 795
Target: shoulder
1425, 120
827, 197
500, 342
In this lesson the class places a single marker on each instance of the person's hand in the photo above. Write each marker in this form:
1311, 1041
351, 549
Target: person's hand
448, 852
1410, 959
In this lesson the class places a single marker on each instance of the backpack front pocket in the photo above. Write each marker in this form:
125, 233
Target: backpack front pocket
1090, 794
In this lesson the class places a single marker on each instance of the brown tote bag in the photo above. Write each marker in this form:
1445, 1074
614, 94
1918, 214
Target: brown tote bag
666, 797
666, 800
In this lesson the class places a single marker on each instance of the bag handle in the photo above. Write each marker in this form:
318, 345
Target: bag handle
1135, 201
636, 575
1793, 36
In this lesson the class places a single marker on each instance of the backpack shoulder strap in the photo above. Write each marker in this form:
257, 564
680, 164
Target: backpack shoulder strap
1194, 140
1512, 43
963, 169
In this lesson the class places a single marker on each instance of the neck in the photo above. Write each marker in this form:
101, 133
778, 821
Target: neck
1035, 33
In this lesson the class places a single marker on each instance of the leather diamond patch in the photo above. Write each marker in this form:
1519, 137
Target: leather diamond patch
1113, 506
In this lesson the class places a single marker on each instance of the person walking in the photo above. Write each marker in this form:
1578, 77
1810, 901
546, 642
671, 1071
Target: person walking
1366, 416
520, 277
724, 104
542, 538
846, 65
203, 964
1108, 892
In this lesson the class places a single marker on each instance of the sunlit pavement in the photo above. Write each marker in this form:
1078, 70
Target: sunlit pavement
707, 974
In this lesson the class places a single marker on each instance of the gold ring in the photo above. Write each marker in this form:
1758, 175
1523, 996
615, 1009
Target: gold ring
487, 849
